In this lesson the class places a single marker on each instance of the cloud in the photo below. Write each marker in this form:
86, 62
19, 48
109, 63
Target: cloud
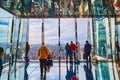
35, 40
67, 30
3, 33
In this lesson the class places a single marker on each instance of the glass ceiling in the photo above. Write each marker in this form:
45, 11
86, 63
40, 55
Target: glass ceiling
61, 8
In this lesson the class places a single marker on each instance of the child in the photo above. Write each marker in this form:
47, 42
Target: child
49, 63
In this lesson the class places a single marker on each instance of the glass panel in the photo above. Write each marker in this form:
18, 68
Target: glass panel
112, 25
3, 35
82, 28
24, 37
51, 36
67, 34
15, 35
34, 37
118, 35
5, 29
102, 71
100, 37
4, 14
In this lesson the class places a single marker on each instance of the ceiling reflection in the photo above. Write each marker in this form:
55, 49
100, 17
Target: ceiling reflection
61, 8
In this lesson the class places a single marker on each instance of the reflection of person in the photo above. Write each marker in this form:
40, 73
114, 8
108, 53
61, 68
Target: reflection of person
73, 48
117, 49
68, 53
26, 61
87, 50
43, 53
102, 49
88, 72
69, 73
1, 55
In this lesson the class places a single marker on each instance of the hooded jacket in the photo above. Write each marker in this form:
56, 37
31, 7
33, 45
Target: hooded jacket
43, 52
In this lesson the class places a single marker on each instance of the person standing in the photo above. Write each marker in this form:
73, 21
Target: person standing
26, 60
88, 72
117, 49
73, 49
68, 53
43, 53
1, 63
87, 50
49, 62
27, 50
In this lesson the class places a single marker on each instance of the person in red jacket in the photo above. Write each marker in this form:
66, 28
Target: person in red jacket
73, 48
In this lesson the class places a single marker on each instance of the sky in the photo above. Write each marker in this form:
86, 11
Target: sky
67, 30
3, 31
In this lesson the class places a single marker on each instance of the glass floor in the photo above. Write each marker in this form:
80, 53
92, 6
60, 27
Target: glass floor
102, 71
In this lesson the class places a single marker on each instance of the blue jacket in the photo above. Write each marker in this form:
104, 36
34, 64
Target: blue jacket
87, 48
68, 51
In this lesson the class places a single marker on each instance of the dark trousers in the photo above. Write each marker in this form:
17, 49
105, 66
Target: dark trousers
43, 66
1, 66
1, 71
88, 56
25, 73
67, 59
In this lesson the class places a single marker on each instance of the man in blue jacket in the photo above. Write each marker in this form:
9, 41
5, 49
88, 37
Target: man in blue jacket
68, 53
87, 50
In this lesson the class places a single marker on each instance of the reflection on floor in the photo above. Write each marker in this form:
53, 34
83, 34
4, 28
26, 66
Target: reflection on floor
83, 71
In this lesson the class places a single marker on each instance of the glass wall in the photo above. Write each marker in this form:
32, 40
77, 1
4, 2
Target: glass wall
10, 28
103, 32
13, 39
102, 71
100, 37
51, 34
117, 38
102, 27
5, 35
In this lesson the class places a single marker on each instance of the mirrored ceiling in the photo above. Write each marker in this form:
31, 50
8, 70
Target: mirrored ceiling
61, 8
